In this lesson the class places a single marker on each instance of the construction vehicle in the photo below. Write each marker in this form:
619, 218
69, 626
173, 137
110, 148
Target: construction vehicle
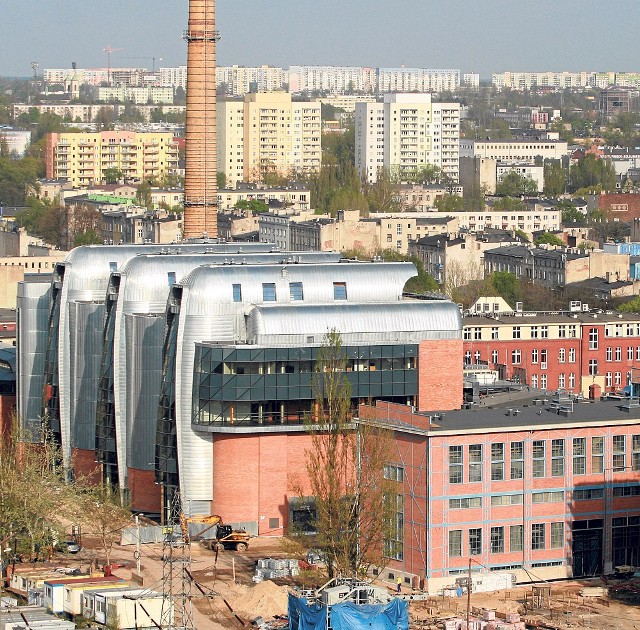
226, 536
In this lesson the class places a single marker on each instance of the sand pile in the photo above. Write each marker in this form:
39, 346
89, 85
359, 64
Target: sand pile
265, 599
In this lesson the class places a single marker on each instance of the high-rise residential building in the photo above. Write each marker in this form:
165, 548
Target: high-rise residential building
174, 77
563, 80
83, 158
405, 133
240, 80
417, 80
332, 79
267, 132
96, 76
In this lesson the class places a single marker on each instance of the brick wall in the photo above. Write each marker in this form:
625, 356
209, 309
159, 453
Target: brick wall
85, 465
253, 476
440, 375
145, 493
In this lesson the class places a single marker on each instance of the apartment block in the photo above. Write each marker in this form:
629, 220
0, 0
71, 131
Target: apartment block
240, 80
83, 158
417, 80
332, 79
96, 76
405, 133
87, 113
137, 95
267, 133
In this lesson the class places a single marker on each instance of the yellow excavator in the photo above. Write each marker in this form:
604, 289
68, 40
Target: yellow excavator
226, 536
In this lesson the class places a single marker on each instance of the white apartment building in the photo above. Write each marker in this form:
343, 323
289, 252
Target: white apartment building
267, 132
347, 102
174, 77
332, 79
405, 133
240, 80
137, 95
563, 80
417, 80
471, 80
514, 150
96, 76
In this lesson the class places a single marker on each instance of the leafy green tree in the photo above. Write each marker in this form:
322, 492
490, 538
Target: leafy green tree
88, 237
591, 172
570, 214
509, 204
449, 203
256, 206
555, 179
523, 236
143, 195
221, 179
112, 175
632, 306
514, 184
549, 239
507, 286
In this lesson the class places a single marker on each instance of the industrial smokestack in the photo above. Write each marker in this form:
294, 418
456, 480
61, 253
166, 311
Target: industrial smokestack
200, 188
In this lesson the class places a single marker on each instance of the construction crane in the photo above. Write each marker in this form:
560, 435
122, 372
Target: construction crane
109, 49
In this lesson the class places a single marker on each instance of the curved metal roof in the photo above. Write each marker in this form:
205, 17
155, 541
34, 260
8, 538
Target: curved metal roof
208, 313
143, 290
365, 282
86, 275
419, 317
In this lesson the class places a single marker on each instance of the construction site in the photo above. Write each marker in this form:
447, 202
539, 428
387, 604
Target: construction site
214, 589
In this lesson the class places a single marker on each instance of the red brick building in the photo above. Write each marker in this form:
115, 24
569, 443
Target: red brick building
533, 493
563, 350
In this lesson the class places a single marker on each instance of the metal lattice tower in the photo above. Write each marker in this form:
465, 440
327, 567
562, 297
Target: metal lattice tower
177, 605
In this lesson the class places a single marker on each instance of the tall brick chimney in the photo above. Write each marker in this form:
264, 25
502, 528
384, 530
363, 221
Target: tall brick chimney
200, 188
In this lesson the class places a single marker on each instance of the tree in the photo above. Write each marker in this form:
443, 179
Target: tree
353, 504
592, 171
507, 286
256, 206
549, 239
570, 214
509, 204
112, 175
515, 184
143, 195
221, 179
555, 179
522, 235
449, 203
105, 515
632, 306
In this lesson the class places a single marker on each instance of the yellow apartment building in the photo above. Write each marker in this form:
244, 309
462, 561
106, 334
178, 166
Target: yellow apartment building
267, 133
83, 158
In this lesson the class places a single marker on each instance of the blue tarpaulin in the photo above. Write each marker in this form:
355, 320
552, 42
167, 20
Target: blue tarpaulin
349, 616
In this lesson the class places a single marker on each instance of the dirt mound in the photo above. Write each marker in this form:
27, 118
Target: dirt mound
265, 599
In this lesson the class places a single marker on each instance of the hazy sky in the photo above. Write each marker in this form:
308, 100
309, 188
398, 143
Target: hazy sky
473, 35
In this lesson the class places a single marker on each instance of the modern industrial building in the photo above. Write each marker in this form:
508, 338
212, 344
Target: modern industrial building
406, 133
106, 372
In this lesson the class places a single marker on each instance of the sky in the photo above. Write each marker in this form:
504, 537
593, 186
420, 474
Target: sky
481, 36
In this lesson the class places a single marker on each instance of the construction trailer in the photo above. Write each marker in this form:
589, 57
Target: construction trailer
135, 611
32, 618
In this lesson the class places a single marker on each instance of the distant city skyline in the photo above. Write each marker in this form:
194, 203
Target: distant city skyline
482, 36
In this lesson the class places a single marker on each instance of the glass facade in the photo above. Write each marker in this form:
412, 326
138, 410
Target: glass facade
245, 385
51, 396
105, 410
166, 456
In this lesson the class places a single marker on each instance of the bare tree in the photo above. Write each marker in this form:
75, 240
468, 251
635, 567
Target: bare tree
351, 516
